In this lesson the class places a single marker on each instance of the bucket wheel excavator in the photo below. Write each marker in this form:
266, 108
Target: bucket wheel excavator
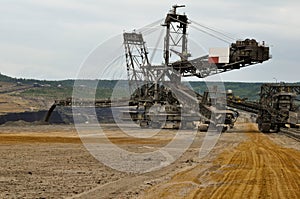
159, 97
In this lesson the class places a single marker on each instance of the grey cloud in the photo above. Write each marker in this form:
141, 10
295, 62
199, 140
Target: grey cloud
50, 39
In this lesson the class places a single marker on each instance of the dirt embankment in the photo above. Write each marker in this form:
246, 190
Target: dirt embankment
11, 101
256, 168
11, 104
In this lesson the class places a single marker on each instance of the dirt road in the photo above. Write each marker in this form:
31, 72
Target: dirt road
256, 168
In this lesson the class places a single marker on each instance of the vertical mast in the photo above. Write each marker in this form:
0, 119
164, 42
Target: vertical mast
176, 30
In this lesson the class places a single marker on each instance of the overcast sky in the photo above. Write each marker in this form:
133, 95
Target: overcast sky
50, 39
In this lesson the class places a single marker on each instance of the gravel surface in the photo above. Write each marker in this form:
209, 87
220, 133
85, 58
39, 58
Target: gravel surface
50, 161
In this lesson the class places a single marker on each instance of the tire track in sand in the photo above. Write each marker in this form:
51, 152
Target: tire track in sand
256, 168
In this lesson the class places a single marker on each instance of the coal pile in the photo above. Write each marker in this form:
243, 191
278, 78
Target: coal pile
62, 115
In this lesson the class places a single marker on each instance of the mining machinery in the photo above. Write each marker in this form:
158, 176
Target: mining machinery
278, 106
157, 91
159, 98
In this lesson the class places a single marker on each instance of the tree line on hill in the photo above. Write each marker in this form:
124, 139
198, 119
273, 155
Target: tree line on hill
241, 89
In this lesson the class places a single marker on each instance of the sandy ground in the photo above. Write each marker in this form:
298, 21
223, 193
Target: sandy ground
256, 168
47, 162
50, 161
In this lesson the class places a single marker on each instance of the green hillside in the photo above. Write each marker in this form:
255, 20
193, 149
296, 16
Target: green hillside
64, 88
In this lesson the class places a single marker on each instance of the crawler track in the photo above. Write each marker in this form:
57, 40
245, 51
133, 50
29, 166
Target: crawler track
292, 133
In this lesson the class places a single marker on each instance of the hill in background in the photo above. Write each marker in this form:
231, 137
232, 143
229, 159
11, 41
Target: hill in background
64, 88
